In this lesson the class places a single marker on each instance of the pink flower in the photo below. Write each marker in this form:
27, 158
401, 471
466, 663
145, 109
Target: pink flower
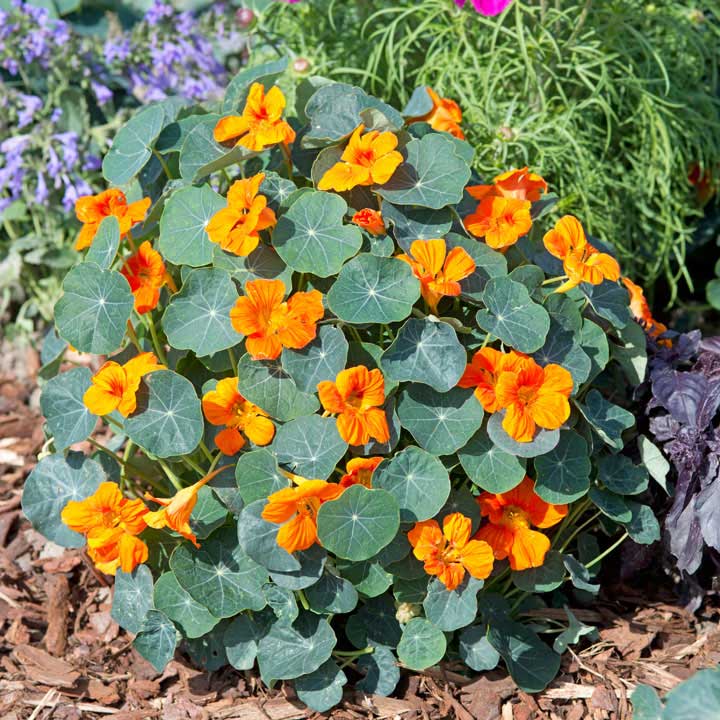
487, 7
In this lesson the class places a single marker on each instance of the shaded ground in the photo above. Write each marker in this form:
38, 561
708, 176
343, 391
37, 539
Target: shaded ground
62, 656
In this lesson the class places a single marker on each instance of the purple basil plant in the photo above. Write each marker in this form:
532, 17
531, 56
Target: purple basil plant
684, 417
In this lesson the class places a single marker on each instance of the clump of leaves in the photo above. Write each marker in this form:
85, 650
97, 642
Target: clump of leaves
370, 437
584, 91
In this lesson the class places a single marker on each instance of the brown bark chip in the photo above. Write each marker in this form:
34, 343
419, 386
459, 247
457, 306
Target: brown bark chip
57, 589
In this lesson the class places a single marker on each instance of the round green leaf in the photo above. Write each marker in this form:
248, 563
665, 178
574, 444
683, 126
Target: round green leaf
282, 601
425, 351
530, 662
643, 526
198, 317
579, 575
595, 345
312, 564
311, 237
607, 420
441, 423
55, 481
512, 316
562, 348
321, 360
258, 476
192, 617
322, 689
208, 514
105, 244
563, 473
374, 624
371, 289
310, 446
488, 466
332, 594
62, 405
132, 145
368, 577
157, 639
220, 575
359, 523
382, 673
238, 88
619, 474
93, 312
610, 301
546, 578
200, 155
475, 650
168, 420
132, 598
269, 386
432, 176
417, 480
543, 442
242, 636
463, 501
422, 644
610, 504
290, 651
258, 538
208, 651
451, 610
412, 223
183, 238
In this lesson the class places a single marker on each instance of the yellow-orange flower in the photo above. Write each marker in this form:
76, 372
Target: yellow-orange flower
114, 386
91, 210
641, 312
145, 271
237, 227
369, 159
359, 470
438, 271
370, 220
445, 115
483, 371
511, 514
501, 221
534, 396
516, 184
110, 522
260, 125
271, 323
296, 508
174, 512
581, 261
449, 553
226, 406
356, 397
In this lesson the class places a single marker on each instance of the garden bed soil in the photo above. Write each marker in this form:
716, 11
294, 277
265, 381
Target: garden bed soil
63, 657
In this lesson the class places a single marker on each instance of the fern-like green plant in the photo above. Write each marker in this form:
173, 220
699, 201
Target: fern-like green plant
609, 100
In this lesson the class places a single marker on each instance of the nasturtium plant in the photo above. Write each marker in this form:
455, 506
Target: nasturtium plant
362, 404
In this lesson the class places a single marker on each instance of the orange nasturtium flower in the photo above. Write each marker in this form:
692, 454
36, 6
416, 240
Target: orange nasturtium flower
91, 210
270, 323
357, 396
226, 406
581, 261
237, 227
110, 523
502, 221
511, 514
260, 125
370, 220
296, 508
146, 273
534, 396
516, 184
483, 371
359, 470
449, 553
369, 159
174, 512
641, 312
445, 115
438, 271
115, 386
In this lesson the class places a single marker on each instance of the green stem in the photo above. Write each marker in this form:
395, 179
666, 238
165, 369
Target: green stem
579, 529
163, 164
159, 350
603, 554
354, 653
174, 479
206, 452
194, 466
133, 337
557, 278
233, 361
303, 600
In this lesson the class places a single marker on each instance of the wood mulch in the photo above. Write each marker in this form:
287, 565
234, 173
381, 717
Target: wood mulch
63, 657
